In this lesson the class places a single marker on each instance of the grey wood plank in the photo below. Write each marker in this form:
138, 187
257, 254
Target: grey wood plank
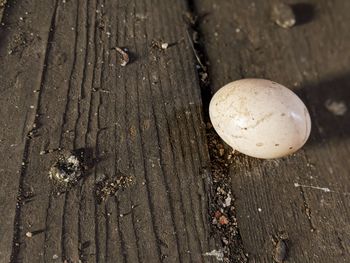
242, 41
22, 51
143, 120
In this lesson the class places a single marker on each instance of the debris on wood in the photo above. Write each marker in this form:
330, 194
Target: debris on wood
203, 76
222, 209
228, 200
49, 151
281, 250
124, 56
160, 44
338, 108
190, 18
283, 15
108, 187
324, 189
223, 220
218, 254
68, 169
164, 45
18, 43
223, 215
29, 234
156, 44
195, 51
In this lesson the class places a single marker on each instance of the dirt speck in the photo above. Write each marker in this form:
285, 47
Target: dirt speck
338, 108
106, 187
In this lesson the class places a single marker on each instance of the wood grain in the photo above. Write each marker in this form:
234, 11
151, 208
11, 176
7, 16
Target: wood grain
143, 120
23, 46
242, 41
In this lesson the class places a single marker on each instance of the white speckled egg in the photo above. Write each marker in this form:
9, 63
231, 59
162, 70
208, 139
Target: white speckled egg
260, 118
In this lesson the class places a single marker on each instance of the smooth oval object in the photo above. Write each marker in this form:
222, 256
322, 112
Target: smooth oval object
260, 118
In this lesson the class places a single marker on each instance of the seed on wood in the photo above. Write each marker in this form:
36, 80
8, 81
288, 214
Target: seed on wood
125, 57
280, 251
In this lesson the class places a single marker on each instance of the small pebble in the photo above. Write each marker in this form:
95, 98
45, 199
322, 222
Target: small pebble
283, 15
55, 256
165, 45
29, 234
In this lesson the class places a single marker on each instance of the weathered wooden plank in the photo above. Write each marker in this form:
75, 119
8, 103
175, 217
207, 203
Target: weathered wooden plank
22, 51
143, 121
242, 41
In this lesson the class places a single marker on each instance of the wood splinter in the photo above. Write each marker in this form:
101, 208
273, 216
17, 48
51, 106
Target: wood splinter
125, 57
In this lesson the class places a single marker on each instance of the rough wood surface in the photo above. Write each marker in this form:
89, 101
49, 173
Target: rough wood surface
22, 58
62, 86
311, 58
2, 7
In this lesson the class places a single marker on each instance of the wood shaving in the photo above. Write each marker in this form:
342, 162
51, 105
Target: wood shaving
124, 56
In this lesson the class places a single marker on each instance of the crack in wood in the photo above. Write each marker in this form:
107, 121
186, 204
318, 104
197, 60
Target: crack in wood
218, 179
17, 222
307, 210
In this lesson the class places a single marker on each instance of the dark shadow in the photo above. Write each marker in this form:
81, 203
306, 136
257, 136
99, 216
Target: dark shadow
85, 245
132, 56
304, 13
86, 157
325, 124
36, 232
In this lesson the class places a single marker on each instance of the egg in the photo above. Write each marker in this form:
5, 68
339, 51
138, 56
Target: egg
260, 118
